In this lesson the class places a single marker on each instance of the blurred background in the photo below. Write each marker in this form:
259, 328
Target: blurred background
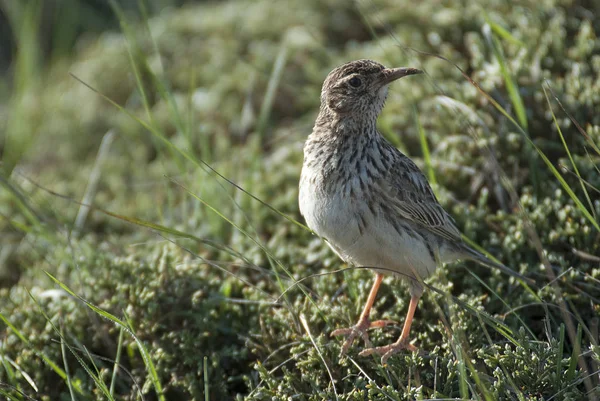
150, 238
61, 23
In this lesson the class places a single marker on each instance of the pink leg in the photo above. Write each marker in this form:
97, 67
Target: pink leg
360, 329
402, 342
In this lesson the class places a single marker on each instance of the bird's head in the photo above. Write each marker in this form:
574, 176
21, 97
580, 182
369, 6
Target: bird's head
360, 87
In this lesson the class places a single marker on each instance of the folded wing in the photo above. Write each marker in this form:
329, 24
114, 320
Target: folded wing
408, 194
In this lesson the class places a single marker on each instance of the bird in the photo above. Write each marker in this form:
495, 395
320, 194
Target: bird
369, 201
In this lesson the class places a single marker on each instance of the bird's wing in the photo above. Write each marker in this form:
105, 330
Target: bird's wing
408, 193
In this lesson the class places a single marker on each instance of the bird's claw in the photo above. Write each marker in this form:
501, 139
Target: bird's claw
389, 350
359, 330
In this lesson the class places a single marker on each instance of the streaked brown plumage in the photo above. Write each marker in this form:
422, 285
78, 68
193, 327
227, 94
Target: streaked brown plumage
371, 202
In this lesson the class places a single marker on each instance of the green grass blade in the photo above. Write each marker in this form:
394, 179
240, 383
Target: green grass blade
588, 139
63, 352
569, 191
312, 340
10, 372
502, 32
128, 327
143, 73
10, 366
128, 33
19, 131
55, 368
493, 322
64, 345
206, 383
511, 87
11, 396
562, 138
478, 381
463, 381
482, 282
274, 80
269, 254
554, 171
93, 307
160, 84
153, 226
148, 362
187, 155
113, 378
20, 198
425, 149
561, 347
570, 373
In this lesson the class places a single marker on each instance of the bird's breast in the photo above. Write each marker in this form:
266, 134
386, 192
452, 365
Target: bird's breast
334, 200
341, 200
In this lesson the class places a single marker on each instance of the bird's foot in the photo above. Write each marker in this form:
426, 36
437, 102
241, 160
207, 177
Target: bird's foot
359, 330
389, 350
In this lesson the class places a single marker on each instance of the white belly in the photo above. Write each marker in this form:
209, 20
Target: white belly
363, 238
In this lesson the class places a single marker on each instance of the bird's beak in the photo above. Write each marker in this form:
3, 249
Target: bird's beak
391, 74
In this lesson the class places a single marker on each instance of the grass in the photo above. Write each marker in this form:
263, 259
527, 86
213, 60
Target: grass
151, 245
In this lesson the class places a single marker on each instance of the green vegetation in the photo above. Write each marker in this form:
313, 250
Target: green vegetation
192, 278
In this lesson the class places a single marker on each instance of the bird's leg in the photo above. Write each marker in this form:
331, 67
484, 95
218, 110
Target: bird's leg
360, 328
402, 342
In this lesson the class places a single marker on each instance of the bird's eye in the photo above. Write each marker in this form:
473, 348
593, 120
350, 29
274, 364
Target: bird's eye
356, 82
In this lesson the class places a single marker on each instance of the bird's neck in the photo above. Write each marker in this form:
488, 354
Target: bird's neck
344, 127
342, 145
337, 139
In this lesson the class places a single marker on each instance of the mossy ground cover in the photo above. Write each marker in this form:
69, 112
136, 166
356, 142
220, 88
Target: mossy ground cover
192, 278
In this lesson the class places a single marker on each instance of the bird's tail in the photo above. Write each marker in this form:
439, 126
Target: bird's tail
472, 254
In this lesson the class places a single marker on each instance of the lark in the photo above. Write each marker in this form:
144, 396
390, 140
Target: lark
369, 201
